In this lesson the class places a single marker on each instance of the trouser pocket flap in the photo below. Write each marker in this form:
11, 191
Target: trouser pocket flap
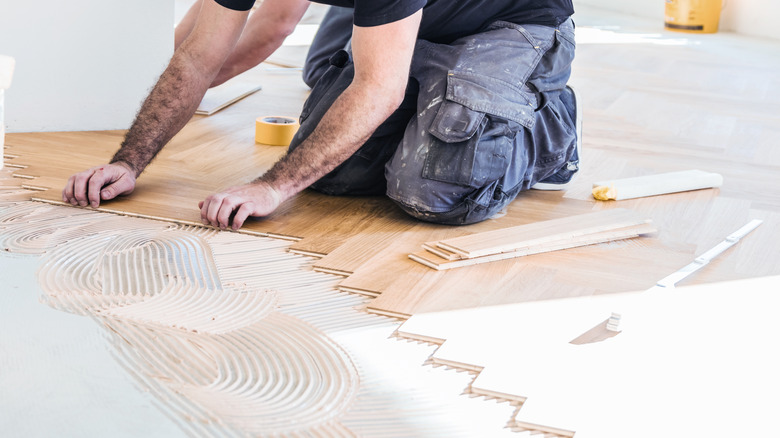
470, 97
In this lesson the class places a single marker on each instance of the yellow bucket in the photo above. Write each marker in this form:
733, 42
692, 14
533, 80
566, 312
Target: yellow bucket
693, 16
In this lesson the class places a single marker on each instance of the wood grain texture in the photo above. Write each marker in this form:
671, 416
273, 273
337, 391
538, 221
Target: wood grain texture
539, 233
653, 103
432, 260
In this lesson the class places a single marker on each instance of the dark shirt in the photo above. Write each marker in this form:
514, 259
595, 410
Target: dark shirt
446, 20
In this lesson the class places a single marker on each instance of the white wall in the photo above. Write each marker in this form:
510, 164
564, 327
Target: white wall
82, 64
748, 17
752, 17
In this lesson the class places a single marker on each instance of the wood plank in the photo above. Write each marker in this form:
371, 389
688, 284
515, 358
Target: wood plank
642, 123
431, 260
224, 95
653, 185
539, 233
694, 223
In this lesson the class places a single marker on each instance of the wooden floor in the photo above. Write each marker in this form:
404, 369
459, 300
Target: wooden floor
654, 102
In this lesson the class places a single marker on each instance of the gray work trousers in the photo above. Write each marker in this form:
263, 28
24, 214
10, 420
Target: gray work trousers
482, 120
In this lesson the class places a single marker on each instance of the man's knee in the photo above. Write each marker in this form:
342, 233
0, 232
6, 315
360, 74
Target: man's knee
451, 204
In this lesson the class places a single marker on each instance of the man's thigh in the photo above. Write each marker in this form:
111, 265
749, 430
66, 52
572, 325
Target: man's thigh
475, 142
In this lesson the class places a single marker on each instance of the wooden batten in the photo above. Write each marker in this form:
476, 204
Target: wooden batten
430, 259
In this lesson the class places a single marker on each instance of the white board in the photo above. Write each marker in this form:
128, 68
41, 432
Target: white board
225, 95
85, 64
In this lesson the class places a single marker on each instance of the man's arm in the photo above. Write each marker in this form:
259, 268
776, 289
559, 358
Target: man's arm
187, 23
382, 57
265, 31
166, 110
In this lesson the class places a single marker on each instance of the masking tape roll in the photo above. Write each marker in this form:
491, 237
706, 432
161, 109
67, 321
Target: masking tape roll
274, 130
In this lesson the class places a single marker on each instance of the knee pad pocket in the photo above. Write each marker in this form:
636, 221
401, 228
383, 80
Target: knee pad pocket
474, 130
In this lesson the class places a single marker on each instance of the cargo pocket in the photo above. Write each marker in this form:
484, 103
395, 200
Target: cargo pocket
475, 128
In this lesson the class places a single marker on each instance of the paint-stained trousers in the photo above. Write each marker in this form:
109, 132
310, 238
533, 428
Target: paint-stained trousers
482, 120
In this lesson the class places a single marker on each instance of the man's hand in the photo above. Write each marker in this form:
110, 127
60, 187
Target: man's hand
254, 199
101, 182
167, 109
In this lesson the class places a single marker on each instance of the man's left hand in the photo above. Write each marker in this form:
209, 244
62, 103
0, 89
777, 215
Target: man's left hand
240, 202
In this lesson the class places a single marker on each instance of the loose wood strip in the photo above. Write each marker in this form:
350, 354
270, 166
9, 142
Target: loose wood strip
438, 263
441, 252
511, 239
224, 95
652, 185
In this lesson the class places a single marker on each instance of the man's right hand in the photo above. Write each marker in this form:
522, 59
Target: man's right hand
99, 183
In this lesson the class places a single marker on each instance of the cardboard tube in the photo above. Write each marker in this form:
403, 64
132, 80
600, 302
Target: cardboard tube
652, 185
275, 130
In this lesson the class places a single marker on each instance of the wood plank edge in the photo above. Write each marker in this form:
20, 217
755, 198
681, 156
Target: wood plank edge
474, 255
459, 252
512, 398
364, 292
427, 263
391, 314
280, 63
553, 246
327, 270
598, 221
432, 248
304, 252
282, 237
419, 337
35, 188
173, 220
545, 429
455, 364
675, 192
146, 216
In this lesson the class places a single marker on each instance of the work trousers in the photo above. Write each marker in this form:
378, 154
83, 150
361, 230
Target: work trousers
482, 120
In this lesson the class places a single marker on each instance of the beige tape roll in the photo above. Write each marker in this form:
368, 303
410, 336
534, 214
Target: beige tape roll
275, 130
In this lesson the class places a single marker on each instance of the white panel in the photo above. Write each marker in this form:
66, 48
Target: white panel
747, 17
82, 64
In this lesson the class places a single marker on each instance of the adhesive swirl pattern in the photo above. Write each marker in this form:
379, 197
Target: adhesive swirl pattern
226, 354
235, 336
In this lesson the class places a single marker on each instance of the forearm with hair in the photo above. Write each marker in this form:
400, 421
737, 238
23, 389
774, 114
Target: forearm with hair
343, 129
265, 31
164, 112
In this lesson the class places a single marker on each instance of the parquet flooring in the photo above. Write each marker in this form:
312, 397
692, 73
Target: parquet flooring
653, 102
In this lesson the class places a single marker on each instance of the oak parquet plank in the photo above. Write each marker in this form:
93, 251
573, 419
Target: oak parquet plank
433, 260
357, 250
539, 233
648, 108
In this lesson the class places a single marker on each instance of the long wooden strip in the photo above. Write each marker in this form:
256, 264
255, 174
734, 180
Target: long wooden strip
432, 247
441, 253
652, 185
224, 95
431, 260
514, 238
